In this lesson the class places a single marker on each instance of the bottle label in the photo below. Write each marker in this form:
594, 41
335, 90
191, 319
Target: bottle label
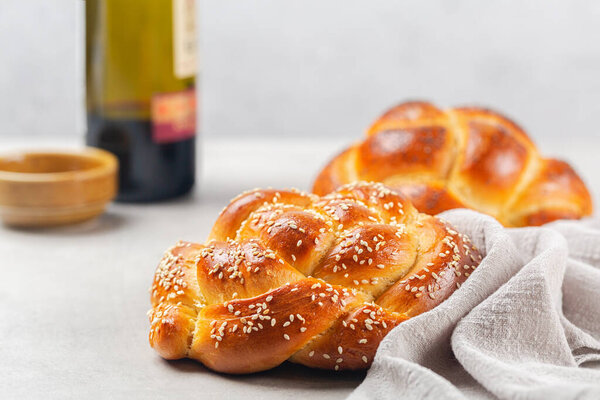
184, 38
173, 116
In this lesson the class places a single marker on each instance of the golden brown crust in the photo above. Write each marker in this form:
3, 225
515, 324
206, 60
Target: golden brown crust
412, 113
555, 193
431, 198
417, 151
446, 259
174, 295
491, 165
232, 269
270, 327
337, 173
316, 280
351, 343
462, 157
239, 209
370, 258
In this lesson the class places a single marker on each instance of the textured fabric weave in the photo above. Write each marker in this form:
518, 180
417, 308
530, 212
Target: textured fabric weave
523, 326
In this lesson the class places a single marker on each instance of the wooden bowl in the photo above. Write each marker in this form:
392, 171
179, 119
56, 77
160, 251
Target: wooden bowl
40, 189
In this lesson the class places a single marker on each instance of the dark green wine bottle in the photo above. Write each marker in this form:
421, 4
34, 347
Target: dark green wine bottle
140, 92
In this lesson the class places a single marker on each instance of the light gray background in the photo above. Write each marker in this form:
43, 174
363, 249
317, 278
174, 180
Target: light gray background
313, 73
327, 67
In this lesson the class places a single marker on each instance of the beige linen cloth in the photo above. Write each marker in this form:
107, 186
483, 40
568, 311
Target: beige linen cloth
525, 325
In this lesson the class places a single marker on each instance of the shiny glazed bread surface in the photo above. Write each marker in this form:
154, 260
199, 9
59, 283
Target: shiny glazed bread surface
315, 280
461, 157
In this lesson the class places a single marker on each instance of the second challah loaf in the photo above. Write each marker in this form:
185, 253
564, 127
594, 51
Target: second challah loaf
461, 157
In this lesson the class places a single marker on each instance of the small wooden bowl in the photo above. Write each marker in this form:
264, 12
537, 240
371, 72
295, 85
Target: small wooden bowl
40, 189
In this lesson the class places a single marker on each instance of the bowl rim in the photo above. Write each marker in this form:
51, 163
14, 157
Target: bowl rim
108, 165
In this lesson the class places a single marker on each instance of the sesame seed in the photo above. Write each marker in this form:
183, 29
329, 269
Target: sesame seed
365, 359
340, 349
312, 353
286, 336
326, 356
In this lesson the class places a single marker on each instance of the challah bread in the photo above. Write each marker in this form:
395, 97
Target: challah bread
461, 157
318, 281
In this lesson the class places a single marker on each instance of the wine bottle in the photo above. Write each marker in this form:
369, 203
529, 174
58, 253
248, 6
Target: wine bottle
140, 92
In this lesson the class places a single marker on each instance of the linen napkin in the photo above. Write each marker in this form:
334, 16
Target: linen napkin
525, 325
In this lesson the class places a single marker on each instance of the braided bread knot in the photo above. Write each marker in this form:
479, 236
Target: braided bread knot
319, 281
461, 158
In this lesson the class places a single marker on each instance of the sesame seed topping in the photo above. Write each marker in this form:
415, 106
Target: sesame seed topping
352, 241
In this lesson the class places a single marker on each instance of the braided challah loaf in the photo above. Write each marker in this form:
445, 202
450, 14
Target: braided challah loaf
461, 157
315, 280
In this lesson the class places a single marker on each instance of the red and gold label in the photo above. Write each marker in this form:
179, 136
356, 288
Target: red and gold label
173, 116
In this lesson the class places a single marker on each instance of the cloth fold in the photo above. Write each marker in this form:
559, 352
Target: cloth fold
522, 326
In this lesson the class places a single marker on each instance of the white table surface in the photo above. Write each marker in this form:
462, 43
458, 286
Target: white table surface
73, 300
